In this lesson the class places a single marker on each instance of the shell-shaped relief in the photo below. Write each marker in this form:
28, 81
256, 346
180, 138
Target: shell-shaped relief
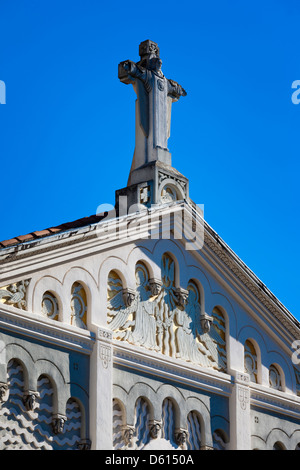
162, 318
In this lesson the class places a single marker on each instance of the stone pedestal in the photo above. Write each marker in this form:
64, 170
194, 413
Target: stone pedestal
154, 183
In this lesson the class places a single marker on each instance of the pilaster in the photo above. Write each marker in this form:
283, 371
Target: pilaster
239, 409
101, 391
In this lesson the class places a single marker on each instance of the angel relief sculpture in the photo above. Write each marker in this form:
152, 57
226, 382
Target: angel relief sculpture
163, 320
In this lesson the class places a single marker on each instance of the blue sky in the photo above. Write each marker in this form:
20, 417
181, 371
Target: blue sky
67, 129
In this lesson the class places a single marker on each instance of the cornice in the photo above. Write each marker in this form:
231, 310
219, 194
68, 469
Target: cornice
275, 401
252, 284
45, 330
157, 365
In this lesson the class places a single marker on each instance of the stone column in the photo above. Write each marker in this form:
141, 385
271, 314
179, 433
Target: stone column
239, 412
101, 369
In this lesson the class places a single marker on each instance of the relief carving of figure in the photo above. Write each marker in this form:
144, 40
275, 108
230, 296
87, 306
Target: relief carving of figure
161, 323
155, 95
120, 316
166, 309
189, 348
144, 333
206, 343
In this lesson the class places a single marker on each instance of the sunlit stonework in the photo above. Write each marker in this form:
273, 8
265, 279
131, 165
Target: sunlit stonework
165, 322
138, 328
15, 294
78, 306
250, 361
50, 307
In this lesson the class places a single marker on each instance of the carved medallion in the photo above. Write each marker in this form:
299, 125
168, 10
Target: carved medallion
50, 306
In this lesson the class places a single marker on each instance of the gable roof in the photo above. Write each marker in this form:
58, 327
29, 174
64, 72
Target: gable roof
212, 240
83, 222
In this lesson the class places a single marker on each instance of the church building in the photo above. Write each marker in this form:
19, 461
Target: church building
139, 328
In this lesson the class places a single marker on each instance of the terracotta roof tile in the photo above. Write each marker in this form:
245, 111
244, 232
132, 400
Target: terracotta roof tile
54, 229
42, 233
12, 241
85, 221
25, 238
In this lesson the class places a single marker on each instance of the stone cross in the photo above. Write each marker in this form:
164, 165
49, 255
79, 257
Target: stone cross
155, 95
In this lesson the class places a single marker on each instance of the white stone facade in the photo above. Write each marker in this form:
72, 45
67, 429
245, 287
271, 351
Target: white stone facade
141, 329
143, 394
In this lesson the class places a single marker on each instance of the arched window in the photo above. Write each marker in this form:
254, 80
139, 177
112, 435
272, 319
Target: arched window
115, 304
168, 421
219, 326
142, 416
141, 275
219, 439
168, 271
13, 434
166, 305
275, 378
50, 307
250, 361
72, 428
144, 325
46, 433
297, 376
278, 446
78, 306
194, 431
44, 408
27, 420
118, 422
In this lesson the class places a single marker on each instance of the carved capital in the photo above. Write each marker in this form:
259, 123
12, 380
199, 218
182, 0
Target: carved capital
29, 400
181, 296
206, 321
105, 335
155, 429
128, 433
242, 378
3, 391
155, 286
58, 423
181, 437
128, 296
84, 444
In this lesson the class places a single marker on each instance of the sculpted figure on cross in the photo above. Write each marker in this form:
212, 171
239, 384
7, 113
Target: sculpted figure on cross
155, 95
